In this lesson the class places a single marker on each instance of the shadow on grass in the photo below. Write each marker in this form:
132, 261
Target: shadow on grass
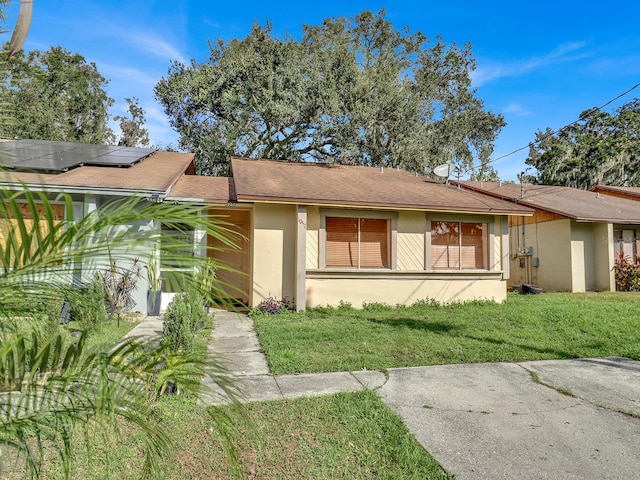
416, 324
453, 331
549, 351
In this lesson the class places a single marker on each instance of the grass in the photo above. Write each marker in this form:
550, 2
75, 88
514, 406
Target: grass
348, 435
533, 327
354, 435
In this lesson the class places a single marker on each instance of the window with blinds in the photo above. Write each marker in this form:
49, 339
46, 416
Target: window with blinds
357, 242
459, 246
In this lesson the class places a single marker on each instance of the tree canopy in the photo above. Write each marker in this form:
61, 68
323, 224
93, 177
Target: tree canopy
354, 91
600, 148
54, 95
133, 134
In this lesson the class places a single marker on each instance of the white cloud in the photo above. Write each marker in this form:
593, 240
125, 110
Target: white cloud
130, 74
488, 71
141, 39
516, 109
211, 23
153, 43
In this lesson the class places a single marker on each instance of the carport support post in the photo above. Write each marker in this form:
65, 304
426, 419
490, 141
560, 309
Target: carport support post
301, 258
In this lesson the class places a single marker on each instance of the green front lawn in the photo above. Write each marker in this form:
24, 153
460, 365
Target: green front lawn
526, 327
348, 435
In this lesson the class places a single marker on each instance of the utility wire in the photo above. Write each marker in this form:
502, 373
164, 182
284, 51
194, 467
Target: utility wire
549, 134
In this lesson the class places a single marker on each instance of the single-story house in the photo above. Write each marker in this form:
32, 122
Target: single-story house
318, 234
323, 234
572, 240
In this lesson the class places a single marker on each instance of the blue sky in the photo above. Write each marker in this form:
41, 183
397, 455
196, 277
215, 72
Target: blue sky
540, 63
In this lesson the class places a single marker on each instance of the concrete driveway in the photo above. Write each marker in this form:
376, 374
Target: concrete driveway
559, 419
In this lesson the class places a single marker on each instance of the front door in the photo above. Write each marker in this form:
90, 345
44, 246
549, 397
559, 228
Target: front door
235, 280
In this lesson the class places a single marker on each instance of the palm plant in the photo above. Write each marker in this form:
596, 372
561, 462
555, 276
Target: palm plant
49, 387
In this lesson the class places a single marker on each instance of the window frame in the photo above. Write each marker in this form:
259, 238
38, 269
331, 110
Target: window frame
166, 268
619, 241
489, 242
391, 217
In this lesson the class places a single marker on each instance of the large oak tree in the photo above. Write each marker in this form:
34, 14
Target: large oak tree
600, 148
354, 91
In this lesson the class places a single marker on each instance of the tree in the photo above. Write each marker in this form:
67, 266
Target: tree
55, 95
600, 148
352, 91
133, 133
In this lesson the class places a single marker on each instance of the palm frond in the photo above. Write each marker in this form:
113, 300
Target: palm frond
49, 387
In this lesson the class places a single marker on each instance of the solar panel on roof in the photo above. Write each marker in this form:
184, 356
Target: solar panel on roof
46, 163
44, 155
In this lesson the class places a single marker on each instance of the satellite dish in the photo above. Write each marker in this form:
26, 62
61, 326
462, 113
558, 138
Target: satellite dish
443, 170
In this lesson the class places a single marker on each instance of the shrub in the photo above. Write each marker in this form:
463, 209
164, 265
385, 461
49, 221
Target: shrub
89, 306
181, 320
426, 302
52, 323
342, 305
627, 274
375, 306
176, 330
273, 306
195, 302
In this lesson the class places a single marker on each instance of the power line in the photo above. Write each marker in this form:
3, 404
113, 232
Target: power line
547, 135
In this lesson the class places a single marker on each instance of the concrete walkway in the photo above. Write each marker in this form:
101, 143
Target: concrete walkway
148, 330
558, 419
235, 346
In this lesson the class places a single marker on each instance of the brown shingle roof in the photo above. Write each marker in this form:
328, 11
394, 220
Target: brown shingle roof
625, 191
156, 173
581, 205
322, 184
208, 190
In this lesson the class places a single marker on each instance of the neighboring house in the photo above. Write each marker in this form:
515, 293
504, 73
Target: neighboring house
93, 175
626, 240
315, 233
572, 240
632, 193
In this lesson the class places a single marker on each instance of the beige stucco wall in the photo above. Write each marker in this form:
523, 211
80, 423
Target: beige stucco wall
410, 238
551, 242
278, 228
331, 291
604, 257
274, 241
573, 256
582, 257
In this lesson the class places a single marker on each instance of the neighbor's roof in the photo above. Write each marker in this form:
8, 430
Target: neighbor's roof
628, 192
580, 205
340, 185
157, 174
